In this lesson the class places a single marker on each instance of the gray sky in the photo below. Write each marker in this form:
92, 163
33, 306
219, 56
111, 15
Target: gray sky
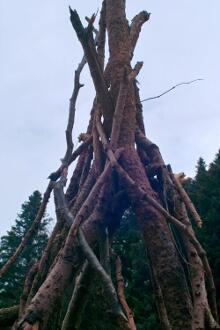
39, 52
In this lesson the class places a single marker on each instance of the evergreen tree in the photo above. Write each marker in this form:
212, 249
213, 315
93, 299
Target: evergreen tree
12, 283
204, 191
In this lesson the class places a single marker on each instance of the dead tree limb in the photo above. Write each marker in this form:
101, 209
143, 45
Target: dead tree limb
183, 228
136, 25
121, 293
8, 315
210, 280
95, 68
104, 249
79, 299
44, 263
27, 287
33, 229
200, 302
104, 277
140, 193
54, 176
103, 172
160, 303
72, 110
68, 158
171, 89
185, 197
101, 37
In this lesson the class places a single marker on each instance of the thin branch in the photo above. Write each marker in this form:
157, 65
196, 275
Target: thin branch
8, 315
210, 280
27, 287
160, 303
32, 230
73, 186
62, 210
44, 263
72, 110
101, 273
121, 293
83, 193
185, 197
86, 166
79, 299
66, 161
101, 36
55, 175
211, 321
98, 153
135, 72
104, 249
170, 89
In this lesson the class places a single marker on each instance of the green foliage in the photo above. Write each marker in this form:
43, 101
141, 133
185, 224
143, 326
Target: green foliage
204, 191
11, 284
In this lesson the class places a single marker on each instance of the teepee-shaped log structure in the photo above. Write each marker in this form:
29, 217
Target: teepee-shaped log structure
116, 169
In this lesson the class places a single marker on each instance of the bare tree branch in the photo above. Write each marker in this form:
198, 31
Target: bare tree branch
185, 197
79, 299
32, 230
136, 25
101, 273
67, 160
142, 195
121, 293
8, 315
170, 89
27, 287
72, 110
95, 67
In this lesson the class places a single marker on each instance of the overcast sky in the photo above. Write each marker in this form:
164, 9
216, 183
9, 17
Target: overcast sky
39, 52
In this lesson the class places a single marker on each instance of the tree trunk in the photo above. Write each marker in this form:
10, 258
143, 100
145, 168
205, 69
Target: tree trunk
117, 169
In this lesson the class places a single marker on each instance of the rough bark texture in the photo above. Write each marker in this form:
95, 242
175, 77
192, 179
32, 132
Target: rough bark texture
8, 316
118, 167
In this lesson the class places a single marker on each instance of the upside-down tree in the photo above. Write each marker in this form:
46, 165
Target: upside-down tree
118, 168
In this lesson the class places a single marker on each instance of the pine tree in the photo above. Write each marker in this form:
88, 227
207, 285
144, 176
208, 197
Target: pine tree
204, 190
12, 283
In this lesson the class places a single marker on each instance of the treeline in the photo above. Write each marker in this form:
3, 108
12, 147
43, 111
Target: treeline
204, 191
